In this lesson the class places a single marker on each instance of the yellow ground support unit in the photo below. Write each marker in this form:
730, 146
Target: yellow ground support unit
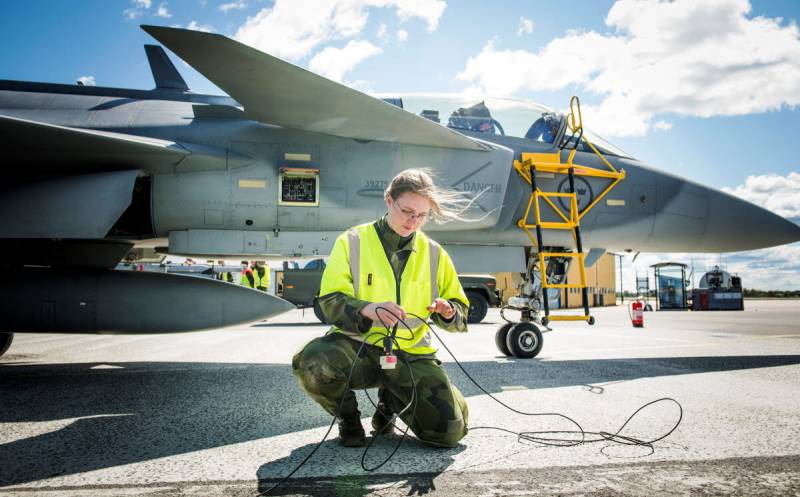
528, 167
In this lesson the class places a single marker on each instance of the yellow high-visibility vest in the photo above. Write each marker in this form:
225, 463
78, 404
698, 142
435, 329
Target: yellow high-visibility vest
262, 282
245, 281
358, 267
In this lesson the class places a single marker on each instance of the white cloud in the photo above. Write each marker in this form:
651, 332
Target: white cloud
429, 10
293, 29
163, 11
334, 63
525, 26
87, 81
662, 125
137, 9
383, 32
235, 5
703, 59
402, 35
196, 26
779, 194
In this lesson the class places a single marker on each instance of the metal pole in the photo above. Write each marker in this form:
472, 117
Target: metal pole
542, 270
621, 291
579, 244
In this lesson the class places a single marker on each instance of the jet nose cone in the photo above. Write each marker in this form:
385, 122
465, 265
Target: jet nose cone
735, 224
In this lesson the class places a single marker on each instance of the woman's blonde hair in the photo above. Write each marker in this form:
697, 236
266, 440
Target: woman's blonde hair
446, 204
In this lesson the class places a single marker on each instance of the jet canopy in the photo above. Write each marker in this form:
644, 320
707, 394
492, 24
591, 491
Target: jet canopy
492, 117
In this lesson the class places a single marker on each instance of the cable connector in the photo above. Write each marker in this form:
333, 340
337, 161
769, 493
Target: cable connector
388, 360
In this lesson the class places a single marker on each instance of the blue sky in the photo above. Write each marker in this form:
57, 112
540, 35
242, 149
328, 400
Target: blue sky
707, 90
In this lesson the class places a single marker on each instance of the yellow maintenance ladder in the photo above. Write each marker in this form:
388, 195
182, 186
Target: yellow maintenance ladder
528, 167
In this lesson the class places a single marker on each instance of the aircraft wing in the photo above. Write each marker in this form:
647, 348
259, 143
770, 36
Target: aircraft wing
277, 92
34, 141
49, 148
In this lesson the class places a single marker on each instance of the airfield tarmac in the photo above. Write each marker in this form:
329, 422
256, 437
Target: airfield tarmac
219, 412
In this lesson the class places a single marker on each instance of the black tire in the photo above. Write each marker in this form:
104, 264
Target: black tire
524, 340
478, 306
500, 338
318, 312
5, 342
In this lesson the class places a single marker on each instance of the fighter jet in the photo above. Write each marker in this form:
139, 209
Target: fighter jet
286, 162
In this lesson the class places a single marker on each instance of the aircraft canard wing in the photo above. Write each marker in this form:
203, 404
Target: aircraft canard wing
276, 92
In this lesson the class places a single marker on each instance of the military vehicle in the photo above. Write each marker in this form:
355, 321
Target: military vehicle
287, 161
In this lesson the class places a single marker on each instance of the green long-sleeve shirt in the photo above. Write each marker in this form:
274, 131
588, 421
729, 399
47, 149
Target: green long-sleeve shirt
344, 311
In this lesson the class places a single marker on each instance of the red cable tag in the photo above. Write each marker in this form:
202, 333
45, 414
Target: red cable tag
388, 361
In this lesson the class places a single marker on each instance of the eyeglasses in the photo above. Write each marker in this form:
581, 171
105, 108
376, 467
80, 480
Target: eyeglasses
410, 215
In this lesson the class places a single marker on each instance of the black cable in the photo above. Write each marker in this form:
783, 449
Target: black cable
538, 436
324, 437
532, 436
364, 342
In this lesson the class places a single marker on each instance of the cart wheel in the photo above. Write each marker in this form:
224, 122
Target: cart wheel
524, 340
500, 338
545, 320
591, 320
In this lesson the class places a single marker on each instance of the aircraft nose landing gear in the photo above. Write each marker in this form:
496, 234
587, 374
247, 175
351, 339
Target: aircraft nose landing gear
523, 340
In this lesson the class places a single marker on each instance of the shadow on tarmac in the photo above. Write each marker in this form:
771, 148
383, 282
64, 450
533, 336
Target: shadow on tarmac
350, 479
133, 412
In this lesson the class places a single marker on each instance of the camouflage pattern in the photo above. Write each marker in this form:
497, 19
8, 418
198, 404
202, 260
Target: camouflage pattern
441, 414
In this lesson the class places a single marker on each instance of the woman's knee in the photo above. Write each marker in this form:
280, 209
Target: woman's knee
316, 369
456, 430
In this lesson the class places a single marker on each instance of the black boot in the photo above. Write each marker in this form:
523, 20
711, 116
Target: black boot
382, 420
351, 431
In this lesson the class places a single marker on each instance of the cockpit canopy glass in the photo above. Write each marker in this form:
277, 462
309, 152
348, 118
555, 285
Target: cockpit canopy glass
497, 116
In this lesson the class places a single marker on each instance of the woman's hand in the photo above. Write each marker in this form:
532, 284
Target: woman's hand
386, 313
443, 307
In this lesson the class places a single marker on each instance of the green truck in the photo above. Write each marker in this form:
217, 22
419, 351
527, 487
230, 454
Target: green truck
300, 286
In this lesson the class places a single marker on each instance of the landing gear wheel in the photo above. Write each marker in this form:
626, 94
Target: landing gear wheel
5, 342
545, 321
591, 320
478, 306
318, 312
500, 338
524, 340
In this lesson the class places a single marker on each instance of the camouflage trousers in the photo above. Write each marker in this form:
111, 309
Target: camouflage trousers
441, 414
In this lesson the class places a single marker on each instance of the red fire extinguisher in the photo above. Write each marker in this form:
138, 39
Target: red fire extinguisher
636, 313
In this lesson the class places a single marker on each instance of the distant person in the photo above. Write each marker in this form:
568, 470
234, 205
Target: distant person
261, 275
225, 276
246, 278
379, 272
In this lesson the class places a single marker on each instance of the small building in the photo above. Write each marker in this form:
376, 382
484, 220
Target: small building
670, 278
